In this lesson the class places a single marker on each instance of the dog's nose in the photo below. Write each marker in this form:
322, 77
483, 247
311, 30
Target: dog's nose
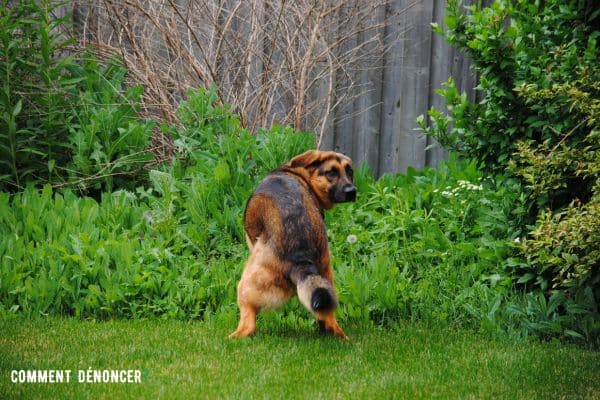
350, 193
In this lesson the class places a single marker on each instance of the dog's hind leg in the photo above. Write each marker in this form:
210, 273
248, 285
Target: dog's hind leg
247, 325
258, 289
328, 324
317, 294
326, 318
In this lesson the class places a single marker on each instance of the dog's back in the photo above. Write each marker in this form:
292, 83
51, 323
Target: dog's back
285, 216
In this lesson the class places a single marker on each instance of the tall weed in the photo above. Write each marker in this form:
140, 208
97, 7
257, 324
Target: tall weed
35, 91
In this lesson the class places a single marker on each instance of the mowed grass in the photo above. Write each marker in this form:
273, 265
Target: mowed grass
195, 360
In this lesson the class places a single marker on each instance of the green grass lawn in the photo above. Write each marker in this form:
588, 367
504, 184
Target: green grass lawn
195, 360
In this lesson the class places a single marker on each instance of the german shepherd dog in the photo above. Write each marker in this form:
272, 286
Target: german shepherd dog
286, 235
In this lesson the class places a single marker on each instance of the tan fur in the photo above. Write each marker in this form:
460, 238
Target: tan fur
286, 236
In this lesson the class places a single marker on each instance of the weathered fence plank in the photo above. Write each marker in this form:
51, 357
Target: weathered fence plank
389, 143
365, 138
414, 75
415, 65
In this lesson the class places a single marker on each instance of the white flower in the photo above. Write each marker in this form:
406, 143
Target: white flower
148, 218
517, 240
468, 185
351, 239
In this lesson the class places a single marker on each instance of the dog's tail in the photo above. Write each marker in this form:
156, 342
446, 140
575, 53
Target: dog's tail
315, 292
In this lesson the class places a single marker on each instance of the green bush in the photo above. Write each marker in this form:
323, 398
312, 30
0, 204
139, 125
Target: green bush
435, 246
62, 254
426, 246
538, 120
429, 246
516, 45
64, 119
174, 249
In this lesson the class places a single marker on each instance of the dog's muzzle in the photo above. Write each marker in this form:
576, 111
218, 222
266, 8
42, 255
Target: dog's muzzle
345, 193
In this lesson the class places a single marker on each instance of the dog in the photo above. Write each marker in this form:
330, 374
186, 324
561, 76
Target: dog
285, 232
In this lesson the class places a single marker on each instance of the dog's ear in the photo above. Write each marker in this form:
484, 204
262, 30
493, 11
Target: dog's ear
308, 160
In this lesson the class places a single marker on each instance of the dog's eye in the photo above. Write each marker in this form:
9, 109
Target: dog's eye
331, 174
349, 172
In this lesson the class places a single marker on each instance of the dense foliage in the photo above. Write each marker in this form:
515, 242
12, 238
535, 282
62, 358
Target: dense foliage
64, 119
423, 246
172, 249
537, 63
89, 228
538, 119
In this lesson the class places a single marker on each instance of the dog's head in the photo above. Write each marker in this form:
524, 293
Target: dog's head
329, 175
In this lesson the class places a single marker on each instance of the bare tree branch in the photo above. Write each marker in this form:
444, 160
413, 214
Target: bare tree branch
272, 60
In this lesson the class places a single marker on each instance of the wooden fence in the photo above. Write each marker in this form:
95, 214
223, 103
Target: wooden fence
355, 72
379, 127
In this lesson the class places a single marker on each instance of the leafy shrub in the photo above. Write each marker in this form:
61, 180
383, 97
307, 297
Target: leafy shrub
516, 45
64, 120
563, 246
563, 256
427, 246
107, 140
174, 249
435, 246
62, 254
538, 119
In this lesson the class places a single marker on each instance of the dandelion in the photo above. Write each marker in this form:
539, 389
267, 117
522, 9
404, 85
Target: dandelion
351, 239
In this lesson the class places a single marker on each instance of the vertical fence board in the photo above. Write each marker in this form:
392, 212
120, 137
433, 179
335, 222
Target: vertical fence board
389, 145
414, 86
343, 120
365, 143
